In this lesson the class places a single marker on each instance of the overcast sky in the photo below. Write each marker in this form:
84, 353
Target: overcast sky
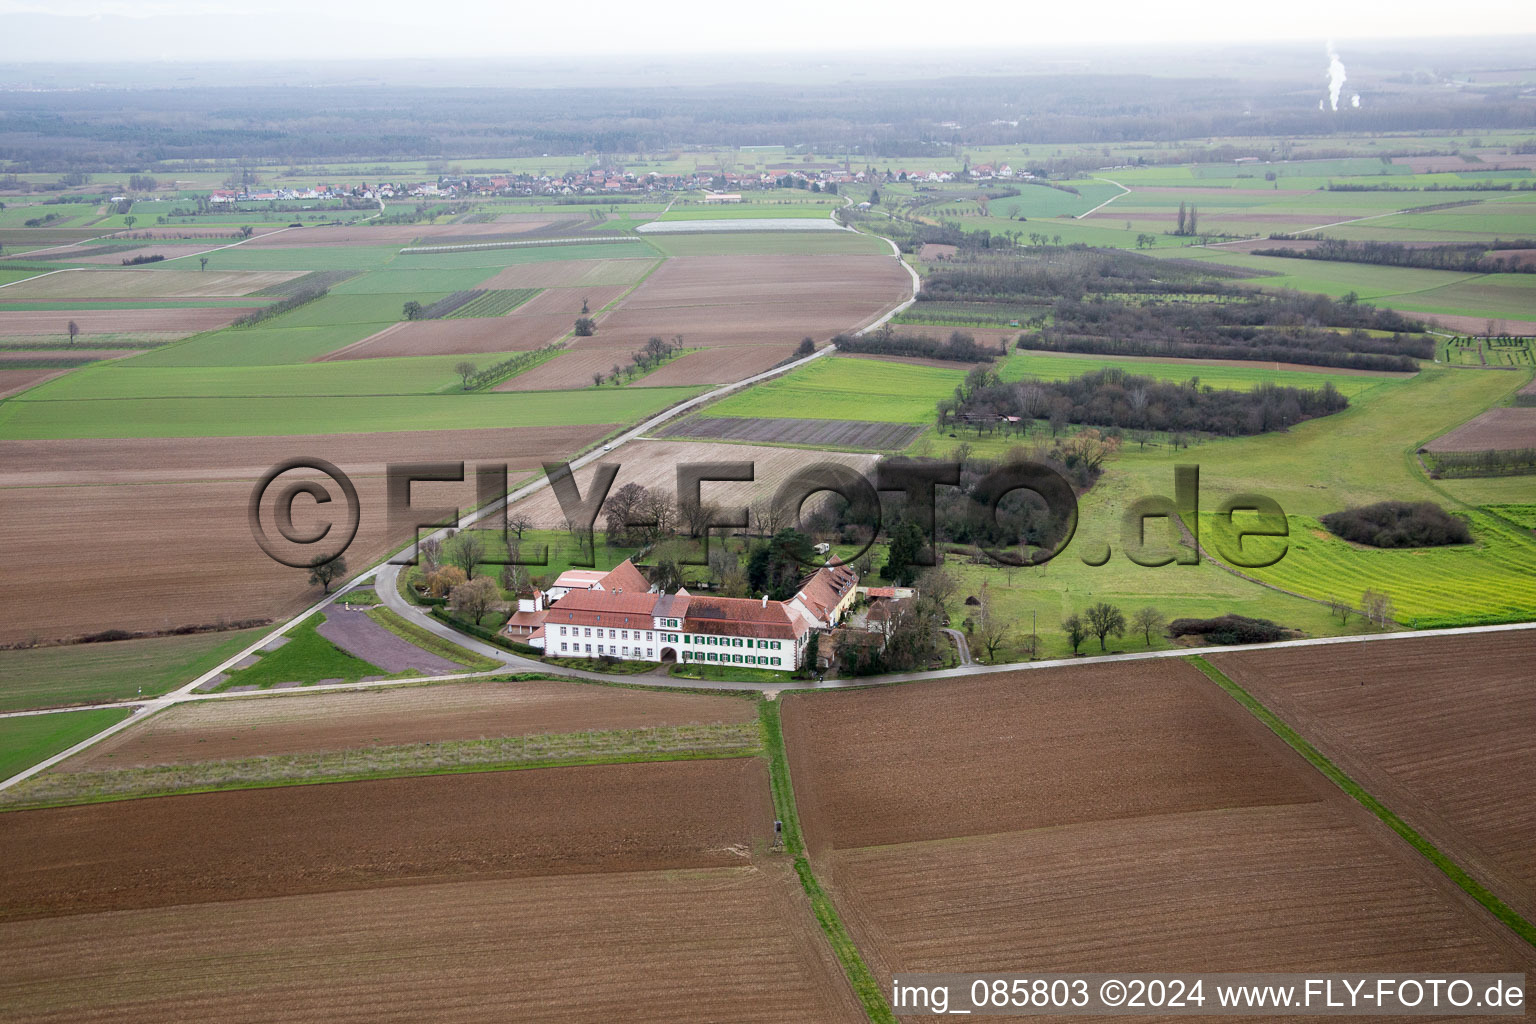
181, 29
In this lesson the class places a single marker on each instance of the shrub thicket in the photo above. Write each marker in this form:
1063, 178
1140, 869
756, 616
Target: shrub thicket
1398, 524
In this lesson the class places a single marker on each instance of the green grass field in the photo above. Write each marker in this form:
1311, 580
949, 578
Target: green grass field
407, 375
22, 419
96, 673
258, 346
401, 282
464, 259
332, 310
1023, 363
1493, 580
26, 741
246, 257
842, 388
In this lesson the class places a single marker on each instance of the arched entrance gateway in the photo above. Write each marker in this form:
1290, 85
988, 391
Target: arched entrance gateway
668, 654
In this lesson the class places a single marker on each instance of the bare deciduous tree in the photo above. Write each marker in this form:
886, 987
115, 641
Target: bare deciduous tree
1147, 621
475, 598
325, 573
939, 584
992, 627
466, 551
1105, 619
1076, 630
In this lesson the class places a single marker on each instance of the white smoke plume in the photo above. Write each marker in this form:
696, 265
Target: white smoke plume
1335, 77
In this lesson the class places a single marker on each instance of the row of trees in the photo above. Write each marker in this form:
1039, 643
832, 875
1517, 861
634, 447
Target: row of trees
1471, 259
643, 360
1505, 462
960, 346
1104, 620
1189, 220
1115, 399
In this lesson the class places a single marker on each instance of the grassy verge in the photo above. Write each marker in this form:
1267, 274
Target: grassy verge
430, 641
1449, 867
307, 657
729, 673
26, 741
613, 668
505, 753
362, 595
864, 984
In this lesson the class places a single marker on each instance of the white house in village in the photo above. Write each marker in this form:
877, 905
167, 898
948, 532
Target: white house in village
616, 615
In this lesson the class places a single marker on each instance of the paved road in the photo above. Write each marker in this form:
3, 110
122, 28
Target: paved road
961, 647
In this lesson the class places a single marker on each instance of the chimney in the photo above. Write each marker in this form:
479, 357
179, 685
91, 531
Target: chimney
765, 600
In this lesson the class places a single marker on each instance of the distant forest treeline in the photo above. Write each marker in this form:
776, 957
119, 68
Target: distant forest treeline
872, 121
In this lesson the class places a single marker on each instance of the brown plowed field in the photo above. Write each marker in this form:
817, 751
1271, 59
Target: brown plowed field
1506, 427
646, 948
469, 336
1519, 257
1300, 888
1439, 728
146, 284
1028, 750
653, 464
566, 302
313, 723
116, 256
14, 381
757, 300
1115, 818
571, 274
836, 433
1476, 324
15, 355
118, 321
245, 844
574, 367
165, 519
718, 365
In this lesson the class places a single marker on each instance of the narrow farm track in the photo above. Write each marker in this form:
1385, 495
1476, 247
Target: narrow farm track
1125, 192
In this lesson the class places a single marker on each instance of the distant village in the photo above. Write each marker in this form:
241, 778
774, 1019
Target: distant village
615, 182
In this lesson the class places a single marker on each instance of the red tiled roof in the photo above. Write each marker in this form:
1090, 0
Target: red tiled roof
822, 591
627, 578
738, 616
604, 608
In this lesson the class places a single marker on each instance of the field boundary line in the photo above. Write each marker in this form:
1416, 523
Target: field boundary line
473, 768
1452, 870
865, 988
1124, 192
35, 277
422, 250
